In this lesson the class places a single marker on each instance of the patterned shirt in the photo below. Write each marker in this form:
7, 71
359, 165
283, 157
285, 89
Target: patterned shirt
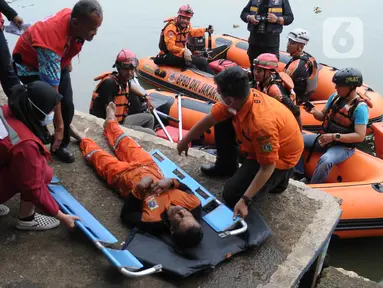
49, 67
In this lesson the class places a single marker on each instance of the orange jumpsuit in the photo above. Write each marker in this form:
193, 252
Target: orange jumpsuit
175, 38
124, 173
133, 163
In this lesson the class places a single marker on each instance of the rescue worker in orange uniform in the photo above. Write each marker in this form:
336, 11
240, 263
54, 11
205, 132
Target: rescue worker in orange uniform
23, 157
118, 87
345, 118
152, 202
45, 51
173, 41
266, 131
302, 67
270, 82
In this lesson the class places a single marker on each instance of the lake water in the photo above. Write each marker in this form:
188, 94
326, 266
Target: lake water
136, 26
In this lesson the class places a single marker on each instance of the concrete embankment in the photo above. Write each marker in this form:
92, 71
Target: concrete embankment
301, 220
340, 278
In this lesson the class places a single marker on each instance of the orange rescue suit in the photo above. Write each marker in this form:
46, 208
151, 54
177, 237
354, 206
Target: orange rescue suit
126, 171
173, 38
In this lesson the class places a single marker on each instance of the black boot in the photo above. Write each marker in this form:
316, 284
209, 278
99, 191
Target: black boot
226, 163
64, 154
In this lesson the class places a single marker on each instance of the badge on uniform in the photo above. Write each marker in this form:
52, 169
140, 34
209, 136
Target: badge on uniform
267, 147
171, 34
152, 203
265, 143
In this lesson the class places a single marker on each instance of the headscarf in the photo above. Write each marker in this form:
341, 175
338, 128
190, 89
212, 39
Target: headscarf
44, 96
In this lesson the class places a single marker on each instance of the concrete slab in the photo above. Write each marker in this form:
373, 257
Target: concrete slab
339, 278
301, 220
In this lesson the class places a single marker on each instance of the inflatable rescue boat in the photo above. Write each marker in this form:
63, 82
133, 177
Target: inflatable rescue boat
200, 85
358, 181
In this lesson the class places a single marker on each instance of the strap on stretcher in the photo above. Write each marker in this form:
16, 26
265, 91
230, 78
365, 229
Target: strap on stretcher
125, 261
221, 217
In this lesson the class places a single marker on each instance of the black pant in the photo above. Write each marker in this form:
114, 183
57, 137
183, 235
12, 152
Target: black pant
8, 76
236, 186
255, 50
171, 60
67, 106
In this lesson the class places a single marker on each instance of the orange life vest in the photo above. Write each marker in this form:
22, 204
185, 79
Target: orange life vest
284, 83
340, 119
120, 100
181, 35
309, 84
52, 33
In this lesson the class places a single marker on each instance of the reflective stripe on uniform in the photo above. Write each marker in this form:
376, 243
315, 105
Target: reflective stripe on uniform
253, 8
87, 157
275, 10
11, 133
118, 140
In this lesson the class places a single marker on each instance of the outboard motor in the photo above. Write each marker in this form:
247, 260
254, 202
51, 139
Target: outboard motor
197, 45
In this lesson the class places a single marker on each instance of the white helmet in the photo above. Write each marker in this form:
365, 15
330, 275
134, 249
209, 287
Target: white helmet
299, 35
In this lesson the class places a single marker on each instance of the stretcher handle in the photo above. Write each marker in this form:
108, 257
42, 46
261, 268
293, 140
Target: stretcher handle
236, 231
179, 117
89, 232
154, 269
167, 116
162, 125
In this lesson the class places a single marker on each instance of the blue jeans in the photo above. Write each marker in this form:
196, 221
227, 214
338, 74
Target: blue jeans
332, 156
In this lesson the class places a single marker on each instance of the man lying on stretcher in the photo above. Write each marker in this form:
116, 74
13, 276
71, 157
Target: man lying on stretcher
152, 202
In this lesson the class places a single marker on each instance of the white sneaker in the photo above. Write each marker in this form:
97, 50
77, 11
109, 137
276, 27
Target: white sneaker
4, 210
40, 223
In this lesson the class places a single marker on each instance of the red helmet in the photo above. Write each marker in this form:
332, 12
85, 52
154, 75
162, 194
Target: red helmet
126, 59
186, 11
267, 61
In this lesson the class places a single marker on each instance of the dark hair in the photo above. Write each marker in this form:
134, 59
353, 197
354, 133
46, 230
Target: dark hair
233, 82
84, 8
188, 238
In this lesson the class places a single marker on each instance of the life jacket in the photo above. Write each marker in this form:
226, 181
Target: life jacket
52, 33
120, 100
18, 133
284, 83
181, 35
308, 84
341, 119
275, 7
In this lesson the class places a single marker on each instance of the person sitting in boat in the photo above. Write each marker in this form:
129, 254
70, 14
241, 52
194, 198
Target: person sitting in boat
270, 82
23, 156
267, 133
119, 88
345, 118
302, 67
173, 42
152, 203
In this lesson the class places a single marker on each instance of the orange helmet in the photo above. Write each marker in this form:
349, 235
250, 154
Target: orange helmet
267, 61
126, 59
186, 11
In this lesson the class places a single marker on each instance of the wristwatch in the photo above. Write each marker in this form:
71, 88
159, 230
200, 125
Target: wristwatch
246, 199
337, 136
